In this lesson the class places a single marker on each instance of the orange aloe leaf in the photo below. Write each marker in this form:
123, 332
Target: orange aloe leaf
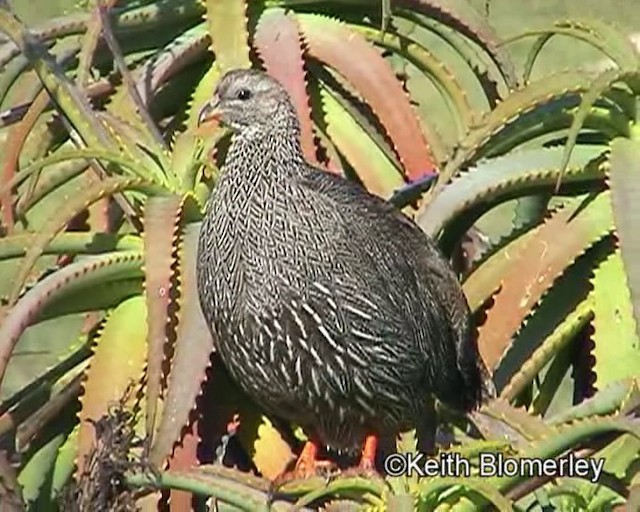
227, 23
184, 458
372, 77
559, 242
193, 347
118, 361
277, 41
161, 216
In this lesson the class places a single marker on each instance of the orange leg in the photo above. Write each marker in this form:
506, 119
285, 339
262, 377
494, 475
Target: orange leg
368, 457
307, 460
306, 466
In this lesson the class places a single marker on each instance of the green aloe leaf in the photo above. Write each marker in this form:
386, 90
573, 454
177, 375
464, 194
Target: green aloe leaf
625, 191
118, 362
227, 22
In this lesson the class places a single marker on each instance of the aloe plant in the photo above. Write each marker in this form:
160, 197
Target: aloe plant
104, 178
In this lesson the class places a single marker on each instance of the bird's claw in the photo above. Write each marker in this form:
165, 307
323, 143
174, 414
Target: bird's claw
320, 468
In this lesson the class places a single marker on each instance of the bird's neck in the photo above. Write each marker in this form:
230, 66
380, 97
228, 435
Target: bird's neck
264, 155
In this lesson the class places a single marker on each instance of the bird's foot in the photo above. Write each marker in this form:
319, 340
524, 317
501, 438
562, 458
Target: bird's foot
307, 466
367, 465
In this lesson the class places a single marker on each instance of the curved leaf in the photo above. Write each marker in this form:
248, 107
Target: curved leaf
118, 361
372, 166
193, 347
613, 321
559, 242
91, 269
368, 73
497, 177
625, 191
161, 217
57, 223
227, 21
277, 41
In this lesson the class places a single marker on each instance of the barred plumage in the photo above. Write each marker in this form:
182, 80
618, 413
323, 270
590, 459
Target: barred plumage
330, 308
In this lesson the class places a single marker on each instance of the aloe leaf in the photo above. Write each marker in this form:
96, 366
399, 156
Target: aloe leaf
608, 400
118, 361
568, 293
460, 15
161, 217
547, 256
65, 463
566, 438
37, 470
623, 179
90, 269
599, 34
373, 168
227, 23
69, 243
63, 392
368, 73
184, 457
104, 296
442, 77
126, 163
89, 46
489, 179
245, 494
54, 178
613, 321
192, 350
158, 146
538, 104
182, 51
71, 101
435, 487
277, 41
597, 89
486, 278
562, 334
14, 143
57, 223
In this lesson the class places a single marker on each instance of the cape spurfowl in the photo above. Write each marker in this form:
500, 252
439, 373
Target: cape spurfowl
330, 308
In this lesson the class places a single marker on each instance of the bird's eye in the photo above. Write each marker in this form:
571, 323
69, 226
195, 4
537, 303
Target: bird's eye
243, 94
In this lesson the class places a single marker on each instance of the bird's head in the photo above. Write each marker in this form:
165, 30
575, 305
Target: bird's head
249, 101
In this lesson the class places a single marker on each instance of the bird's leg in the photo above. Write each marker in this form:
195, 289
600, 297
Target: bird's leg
307, 466
368, 457
307, 460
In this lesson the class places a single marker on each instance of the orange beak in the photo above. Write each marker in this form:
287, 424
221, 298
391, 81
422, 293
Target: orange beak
210, 111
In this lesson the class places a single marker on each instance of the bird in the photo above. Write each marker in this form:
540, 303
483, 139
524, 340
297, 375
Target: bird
330, 308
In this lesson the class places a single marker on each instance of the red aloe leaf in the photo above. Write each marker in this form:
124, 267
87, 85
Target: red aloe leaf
371, 76
192, 350
161, 221
277, 41
184, 457
13, 147
559, 242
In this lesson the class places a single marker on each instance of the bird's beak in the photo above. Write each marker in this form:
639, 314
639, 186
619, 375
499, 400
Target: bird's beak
210, 111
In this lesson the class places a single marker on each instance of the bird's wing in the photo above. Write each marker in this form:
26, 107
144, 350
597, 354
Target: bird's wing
440, 319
